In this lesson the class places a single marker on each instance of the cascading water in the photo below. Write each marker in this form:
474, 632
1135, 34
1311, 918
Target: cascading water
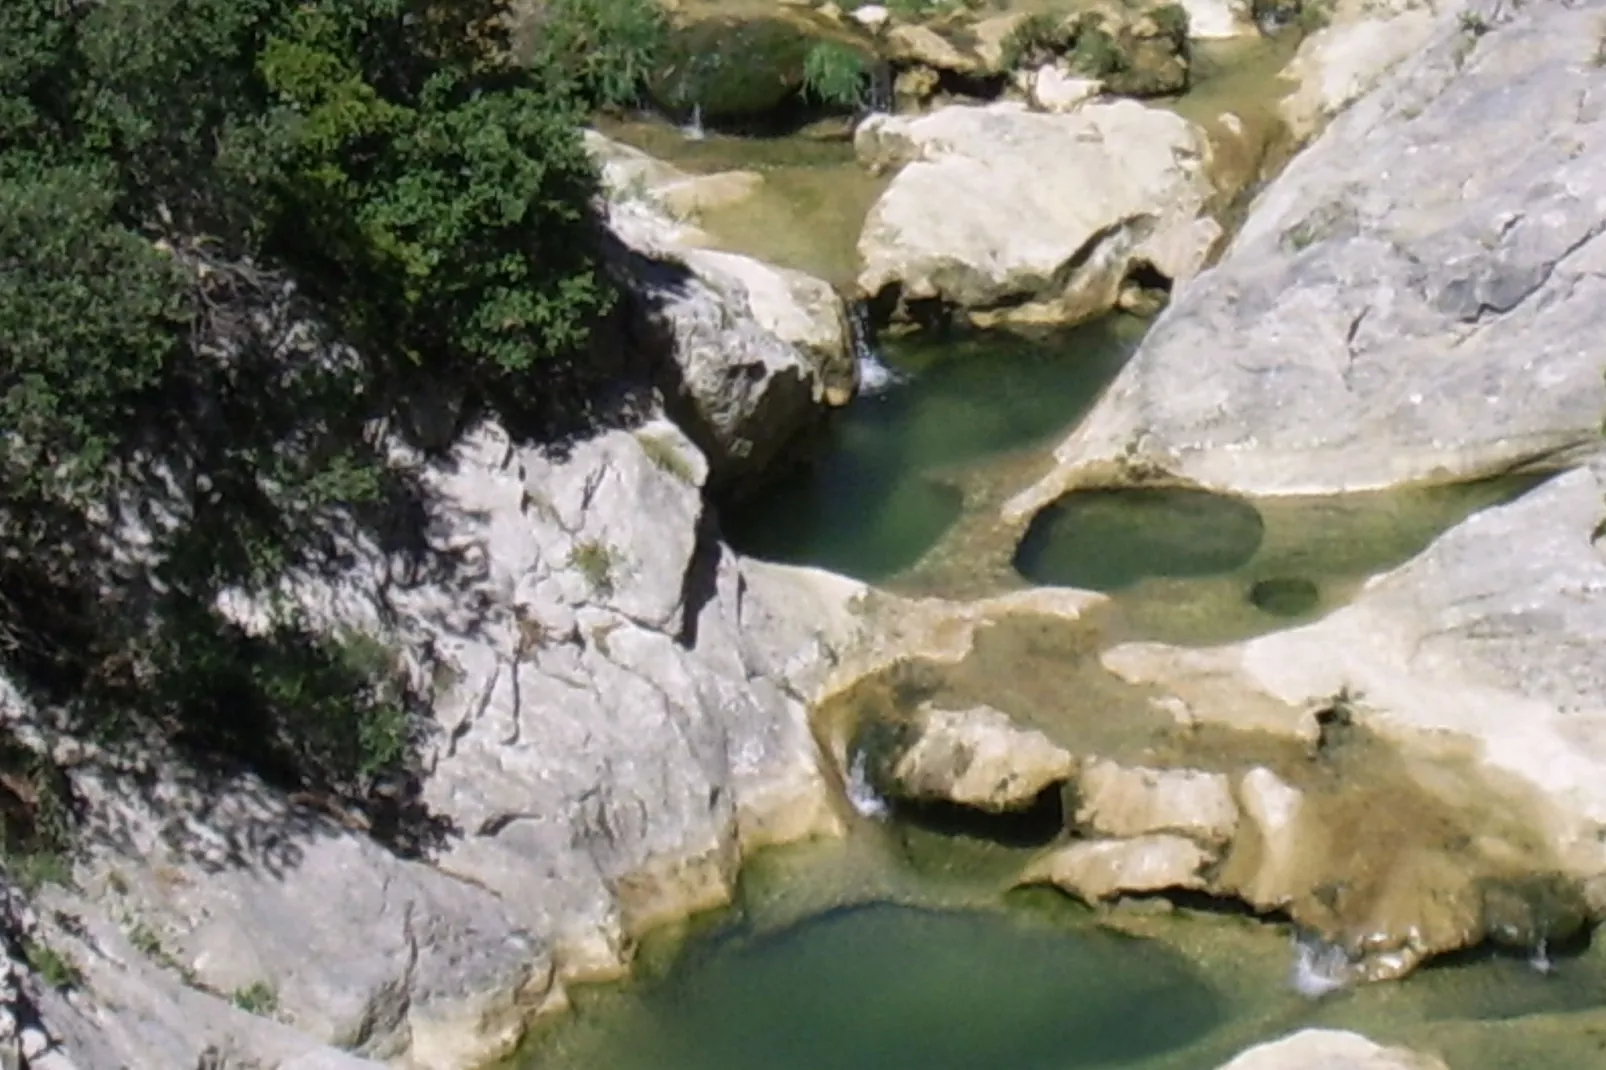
693, 128
875, 375
878, 92
861, 793
1540, 959
1319, 967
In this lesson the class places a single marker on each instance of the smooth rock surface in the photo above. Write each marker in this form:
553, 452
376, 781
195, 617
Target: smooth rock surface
978, 757
1413, 300
1361, 42
1019, 216
1330, 1049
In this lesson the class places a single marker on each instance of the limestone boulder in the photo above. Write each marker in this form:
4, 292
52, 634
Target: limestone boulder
1330, 1049
1124, 801
1359, 42
748, 355
1096, 870
975, 757
1010, 215
1210, 20
1413, 300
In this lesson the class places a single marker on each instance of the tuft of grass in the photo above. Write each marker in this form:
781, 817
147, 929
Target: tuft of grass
144, 939
596, 561
1473, 24
664, 453
53, 967
258, 997
835, 75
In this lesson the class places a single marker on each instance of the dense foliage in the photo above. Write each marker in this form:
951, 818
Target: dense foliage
238, 238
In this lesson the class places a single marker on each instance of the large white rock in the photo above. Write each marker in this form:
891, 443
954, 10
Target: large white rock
1330, 1049
1415, 299
749, 354
1015, 215
978, 757
1218, 19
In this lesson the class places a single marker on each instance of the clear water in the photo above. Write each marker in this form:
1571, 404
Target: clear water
1186, 566
890, 987
857, 955
874, 493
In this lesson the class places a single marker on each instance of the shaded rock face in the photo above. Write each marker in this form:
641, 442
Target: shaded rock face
621, 714
976, 757
1015, 216
749, 355
1403, 305
1476, 667
740, 70
1330, 1049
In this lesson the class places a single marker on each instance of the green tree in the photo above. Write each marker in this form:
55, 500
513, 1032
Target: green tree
238, 237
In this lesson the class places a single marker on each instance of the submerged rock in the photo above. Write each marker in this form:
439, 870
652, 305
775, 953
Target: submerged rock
1017, 216
977, 757
1411, 301
1330, 1049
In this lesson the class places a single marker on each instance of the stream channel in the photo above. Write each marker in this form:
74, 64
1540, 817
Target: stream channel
902, 946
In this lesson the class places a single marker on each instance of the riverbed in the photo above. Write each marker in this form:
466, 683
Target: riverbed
904, 945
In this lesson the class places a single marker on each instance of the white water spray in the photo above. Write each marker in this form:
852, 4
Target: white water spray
693, 130
875, 375
1319, 967
861, 793
1540, 960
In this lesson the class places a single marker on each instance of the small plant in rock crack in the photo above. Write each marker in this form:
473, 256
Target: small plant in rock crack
1473, 24
597, 562
258, 997
53, 967
144, 939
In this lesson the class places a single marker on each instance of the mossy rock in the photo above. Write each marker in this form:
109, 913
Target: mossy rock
1136, 50
1272, 15
737, 69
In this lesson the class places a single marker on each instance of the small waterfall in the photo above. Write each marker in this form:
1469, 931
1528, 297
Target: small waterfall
861, 793
1319, 967
1540, 960
693, 128
875, 376
878, 93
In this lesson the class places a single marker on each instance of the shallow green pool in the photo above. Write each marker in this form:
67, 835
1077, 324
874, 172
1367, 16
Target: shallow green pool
1188, 566
871, 497
885, 987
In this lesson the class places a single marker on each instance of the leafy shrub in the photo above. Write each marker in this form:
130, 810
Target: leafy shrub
607, 47
835, 75
236, 237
